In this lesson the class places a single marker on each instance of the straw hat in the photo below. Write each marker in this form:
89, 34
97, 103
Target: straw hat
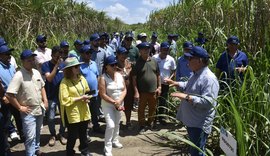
70, 62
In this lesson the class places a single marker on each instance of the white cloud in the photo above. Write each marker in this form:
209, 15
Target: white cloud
157, 4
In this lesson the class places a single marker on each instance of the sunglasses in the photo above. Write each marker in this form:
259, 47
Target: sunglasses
128, 39
7, 54
113, 65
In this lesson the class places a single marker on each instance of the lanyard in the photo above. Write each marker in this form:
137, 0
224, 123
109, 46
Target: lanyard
78, 89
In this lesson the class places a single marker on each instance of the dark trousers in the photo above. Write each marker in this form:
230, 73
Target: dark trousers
163, 106
4, 145
94, 109
76, 130
199, 138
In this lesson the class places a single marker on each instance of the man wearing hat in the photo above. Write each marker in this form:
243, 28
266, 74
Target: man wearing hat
167, 68
97, 56
12, 59
155, 46
43, 53
201, 40
7, 72
90, 72
76, 52
26, 92
64, 45
147, 85
103, 44
233, 62
51, 71
198, 100
183, 72
133, 51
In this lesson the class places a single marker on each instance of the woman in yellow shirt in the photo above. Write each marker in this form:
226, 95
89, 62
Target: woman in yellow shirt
74, 108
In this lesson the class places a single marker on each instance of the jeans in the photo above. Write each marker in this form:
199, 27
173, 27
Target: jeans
31, 130
199, 138
162, 101
149, 99
94, 109
51, 116
75, 130
112, 117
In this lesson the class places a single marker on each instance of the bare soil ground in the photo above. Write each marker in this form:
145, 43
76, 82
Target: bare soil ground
147, 144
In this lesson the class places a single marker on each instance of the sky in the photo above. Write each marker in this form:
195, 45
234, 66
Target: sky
129, 11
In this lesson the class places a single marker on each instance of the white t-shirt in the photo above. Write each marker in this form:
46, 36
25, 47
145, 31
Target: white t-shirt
166, 66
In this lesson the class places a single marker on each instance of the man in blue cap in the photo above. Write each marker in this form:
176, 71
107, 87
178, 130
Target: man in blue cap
155, 46
89, 70
183, 72
43, 53
133, 51
147, 86
198, 99
97, 56
201, 40
76, 52
64, 45
167, 68
26, 92
7, 72
232, 62
103, 44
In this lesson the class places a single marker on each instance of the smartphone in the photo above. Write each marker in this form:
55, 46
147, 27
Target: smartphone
91, 92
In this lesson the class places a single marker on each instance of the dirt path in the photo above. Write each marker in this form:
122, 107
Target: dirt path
134, 144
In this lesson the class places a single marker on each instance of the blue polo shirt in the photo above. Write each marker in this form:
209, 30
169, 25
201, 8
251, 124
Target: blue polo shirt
52, 88
90, 73
7, 73
183, 72
228, 64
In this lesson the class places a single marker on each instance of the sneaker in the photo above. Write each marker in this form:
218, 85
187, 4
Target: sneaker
52, 141
142, 130
62, 140
14, 136
117, 145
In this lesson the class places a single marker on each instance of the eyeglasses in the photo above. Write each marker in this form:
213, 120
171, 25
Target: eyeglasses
113, 65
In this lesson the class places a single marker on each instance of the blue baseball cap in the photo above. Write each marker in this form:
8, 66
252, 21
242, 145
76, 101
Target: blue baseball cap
187, 45
110, 60
197, 51
129, 35
86, 42
170, 35
41, 38
5, 49
2, 41
233, 40
78, 42
94, 37
85, 49
104, 34
143, 45
64, 44
122, 50
154, 35
165, 45
26, 54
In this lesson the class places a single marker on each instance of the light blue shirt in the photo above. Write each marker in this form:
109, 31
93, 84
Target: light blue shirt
7, 73
90, 73
183, 72
203, 89
99, 57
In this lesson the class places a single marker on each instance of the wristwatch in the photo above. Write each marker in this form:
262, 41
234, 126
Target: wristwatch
187, 98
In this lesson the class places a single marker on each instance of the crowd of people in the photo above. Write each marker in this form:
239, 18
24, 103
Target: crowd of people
103, 76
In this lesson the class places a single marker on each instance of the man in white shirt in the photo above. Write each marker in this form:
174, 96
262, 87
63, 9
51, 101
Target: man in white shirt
167, 68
